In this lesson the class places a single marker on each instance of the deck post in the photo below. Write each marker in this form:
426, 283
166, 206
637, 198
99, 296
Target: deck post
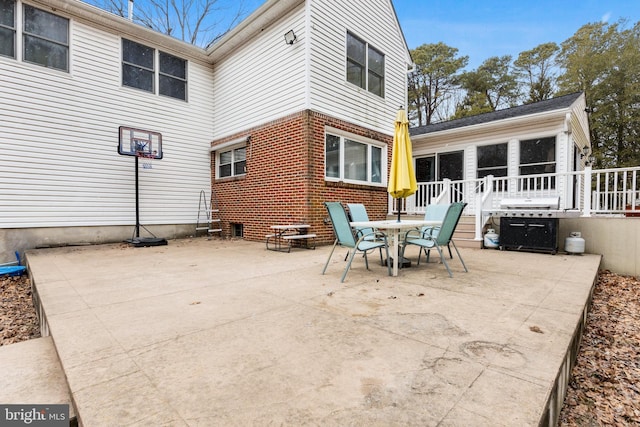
586, 189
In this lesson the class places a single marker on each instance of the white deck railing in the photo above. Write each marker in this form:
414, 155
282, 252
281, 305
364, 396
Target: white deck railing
611, 192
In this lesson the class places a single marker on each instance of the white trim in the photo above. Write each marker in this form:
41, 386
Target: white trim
353, 136
362, 140
307, 54
486, 127
237, 141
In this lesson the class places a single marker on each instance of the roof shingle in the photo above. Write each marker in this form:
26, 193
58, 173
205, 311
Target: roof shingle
557, 103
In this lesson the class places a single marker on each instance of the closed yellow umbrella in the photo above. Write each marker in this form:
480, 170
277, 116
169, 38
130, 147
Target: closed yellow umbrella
402, 177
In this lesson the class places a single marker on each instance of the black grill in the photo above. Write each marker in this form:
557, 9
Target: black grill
529, 234
530, 224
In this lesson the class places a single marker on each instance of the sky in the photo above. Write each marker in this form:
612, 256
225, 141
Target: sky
481, 29
486, 28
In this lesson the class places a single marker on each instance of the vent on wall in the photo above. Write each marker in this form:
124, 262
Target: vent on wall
236, 230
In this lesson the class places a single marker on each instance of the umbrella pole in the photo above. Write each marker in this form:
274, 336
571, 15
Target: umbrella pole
399, 204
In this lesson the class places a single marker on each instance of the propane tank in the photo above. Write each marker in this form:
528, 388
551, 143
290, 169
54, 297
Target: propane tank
491, 239
574, 244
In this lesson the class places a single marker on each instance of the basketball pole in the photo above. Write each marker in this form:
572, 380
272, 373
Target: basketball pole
140, 143
144, 241
137, 202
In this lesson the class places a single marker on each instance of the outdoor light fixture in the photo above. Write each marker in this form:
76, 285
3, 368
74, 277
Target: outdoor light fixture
289, 37
585, 152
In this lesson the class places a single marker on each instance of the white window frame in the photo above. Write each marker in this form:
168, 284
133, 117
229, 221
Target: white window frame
156, 71
14, 30
504, 167
369, 143
544, 163
540, 183
19, 35
43, 37
233, 149
175, 79
367, 71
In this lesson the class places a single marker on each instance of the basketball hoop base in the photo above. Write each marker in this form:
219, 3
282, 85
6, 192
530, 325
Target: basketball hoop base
144, 242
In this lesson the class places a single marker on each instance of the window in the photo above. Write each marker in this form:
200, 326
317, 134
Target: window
492, 160
45, 39
538, 156
173, 76
8, 28
232, 162
365, 65
351, 160
137, 66
139, 71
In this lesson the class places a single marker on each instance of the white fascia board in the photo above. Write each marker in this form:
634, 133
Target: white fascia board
107, 21
271, 11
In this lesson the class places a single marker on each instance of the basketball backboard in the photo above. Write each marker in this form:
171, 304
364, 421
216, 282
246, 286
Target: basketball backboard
138, 142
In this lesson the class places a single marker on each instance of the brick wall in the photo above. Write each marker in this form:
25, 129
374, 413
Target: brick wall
284, 182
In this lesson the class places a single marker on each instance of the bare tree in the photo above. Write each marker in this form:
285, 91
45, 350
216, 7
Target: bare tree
199, 22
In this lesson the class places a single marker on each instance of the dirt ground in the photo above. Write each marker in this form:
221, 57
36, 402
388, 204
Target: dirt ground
605, 385
18, 319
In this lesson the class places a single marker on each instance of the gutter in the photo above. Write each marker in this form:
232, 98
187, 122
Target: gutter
122, 26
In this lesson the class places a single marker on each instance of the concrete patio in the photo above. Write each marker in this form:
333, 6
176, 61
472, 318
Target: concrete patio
216, 332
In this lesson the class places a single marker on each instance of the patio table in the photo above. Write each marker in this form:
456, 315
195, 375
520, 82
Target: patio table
395, 227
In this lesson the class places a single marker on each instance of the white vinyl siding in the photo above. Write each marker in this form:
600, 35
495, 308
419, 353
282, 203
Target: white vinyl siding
267, 79
263, 80
330, 93
59, 164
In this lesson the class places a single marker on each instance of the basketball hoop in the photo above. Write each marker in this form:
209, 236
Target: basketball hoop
146, 159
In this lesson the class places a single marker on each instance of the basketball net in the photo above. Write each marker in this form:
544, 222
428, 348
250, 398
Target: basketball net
146, 159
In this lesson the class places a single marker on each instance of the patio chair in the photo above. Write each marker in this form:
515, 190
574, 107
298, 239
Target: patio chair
434, 212
345, 237
440, 238
358, 212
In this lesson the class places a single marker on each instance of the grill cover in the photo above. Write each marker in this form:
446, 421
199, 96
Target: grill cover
531, 203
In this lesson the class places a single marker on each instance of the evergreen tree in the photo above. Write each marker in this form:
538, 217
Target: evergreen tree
434, 81
534, 68
492, 86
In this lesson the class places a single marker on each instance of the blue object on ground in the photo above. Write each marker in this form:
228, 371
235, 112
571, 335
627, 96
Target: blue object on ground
12, 268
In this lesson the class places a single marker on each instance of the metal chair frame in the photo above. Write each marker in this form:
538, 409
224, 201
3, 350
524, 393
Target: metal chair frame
438, 237
345, 237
